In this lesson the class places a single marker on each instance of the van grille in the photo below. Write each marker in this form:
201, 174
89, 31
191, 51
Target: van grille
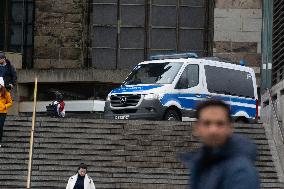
124, 111
124, 100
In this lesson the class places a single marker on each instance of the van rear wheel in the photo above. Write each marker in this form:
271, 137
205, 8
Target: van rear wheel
172, 115
242, 120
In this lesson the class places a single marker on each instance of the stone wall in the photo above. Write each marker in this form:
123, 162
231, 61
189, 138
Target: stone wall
237, 31
60, 33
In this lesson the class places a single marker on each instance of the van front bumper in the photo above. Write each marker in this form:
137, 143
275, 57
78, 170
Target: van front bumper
148, 109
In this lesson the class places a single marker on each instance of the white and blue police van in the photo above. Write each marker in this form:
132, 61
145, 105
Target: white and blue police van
168, 87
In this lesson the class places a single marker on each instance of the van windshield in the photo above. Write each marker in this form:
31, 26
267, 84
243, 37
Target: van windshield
154, 73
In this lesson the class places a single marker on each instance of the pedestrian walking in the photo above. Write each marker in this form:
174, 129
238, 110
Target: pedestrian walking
225, 160
5, 104
8, 72
81, 180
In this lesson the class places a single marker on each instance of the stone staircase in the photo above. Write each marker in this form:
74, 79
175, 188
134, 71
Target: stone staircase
120, 154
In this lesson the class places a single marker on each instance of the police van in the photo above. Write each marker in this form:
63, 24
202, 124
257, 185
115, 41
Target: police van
169, 87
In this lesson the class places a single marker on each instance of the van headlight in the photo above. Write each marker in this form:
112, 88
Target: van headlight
108, 97
151, 96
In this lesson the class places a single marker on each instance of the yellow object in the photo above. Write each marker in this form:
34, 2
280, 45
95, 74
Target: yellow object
5, 102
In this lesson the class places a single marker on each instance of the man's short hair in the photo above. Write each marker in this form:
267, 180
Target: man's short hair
213, 103
82, 166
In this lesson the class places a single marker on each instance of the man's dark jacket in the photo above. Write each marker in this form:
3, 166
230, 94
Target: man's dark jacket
8, 72
228, 167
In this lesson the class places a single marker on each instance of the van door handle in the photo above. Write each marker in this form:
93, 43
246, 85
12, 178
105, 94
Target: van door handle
208, 96
198, 95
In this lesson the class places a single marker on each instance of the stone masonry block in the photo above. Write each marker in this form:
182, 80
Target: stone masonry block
47, 18
62, 6
46, 53
252, 60
246, 47
237, 36
233, 13
74, 18
41, 63
45, 41
69, 64
228, 24
70, 53
251, 24
239, 4
237, 47
222, 46
48, 30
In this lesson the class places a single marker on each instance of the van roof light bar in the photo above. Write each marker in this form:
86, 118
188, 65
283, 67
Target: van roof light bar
174, 56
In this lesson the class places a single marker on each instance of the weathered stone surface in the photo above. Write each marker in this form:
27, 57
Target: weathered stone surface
69, 64
235, 13
239, 4
70, 53
15, 58
235, 47
67, 75
252, 60
222, 46
252, 24
46, 53
244, 47
237, 25
59, 33
48, 30
55, 63
74, 18
62, 6
45, 41
228, 24
47, 18
237, 36
42, 63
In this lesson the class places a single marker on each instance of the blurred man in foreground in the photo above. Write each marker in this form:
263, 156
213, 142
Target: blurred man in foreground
226, 160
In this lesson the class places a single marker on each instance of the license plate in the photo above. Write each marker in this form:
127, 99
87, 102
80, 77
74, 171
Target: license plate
122, 117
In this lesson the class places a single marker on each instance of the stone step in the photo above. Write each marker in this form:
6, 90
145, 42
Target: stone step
121, 154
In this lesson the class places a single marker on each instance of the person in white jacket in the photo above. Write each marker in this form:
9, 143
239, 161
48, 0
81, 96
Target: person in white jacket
81, 180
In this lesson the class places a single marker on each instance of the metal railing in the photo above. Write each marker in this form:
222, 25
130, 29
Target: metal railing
275, 113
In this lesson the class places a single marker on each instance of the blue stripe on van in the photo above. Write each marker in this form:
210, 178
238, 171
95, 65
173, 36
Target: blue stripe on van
181, 99
191, 103
241, 100
250, 111
135, 89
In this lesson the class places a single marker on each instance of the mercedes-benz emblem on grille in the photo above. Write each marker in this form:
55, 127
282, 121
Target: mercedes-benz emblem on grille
123, 100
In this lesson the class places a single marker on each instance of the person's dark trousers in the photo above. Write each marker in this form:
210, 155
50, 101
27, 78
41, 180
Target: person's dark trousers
2, 121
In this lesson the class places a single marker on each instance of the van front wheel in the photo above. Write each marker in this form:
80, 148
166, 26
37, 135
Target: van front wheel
172, 115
